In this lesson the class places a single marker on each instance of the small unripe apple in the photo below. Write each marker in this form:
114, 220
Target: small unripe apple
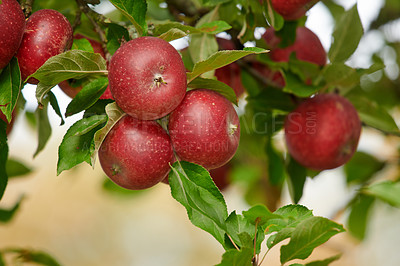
68, 86
47, 33
292, 9
12, 25
323, 131
147, 78
136, 154
205, 129
307, 47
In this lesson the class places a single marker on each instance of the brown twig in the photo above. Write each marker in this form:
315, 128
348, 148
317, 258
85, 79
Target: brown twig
95, 19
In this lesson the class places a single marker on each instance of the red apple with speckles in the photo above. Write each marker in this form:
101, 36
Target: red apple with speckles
136, 154
205, 129
307, 47
220, 176
68, 86
147, 78
323, 131
12, 25
292, 9
47, 33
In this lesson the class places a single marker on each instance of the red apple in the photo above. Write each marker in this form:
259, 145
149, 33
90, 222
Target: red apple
230, 74
307, 47
292, 9
323, 132
147, 78
205, 129
12, 25
136, 154
107, 94
47, 33
220, 176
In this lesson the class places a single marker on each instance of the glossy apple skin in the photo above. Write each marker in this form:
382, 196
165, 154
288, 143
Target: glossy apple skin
292, 9
47, 33
306, 46
230, 74
67, 85
205, 129
147, 78
323, 132
136, 154
12, 26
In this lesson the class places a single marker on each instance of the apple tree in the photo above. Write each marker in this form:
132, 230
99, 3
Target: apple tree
151, 113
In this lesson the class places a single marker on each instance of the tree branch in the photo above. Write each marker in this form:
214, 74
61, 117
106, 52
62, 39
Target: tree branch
95, 18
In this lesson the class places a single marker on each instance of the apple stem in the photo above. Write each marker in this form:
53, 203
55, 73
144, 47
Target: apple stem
232, 129
159, 81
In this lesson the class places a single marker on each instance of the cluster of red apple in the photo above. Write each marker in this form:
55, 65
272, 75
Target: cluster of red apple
324, 130
148, 82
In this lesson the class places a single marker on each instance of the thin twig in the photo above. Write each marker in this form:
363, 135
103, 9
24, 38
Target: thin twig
94, 19
233, 242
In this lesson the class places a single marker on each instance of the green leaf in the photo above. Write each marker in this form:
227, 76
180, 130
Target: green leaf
220, 59
340, 75
172, 34
273, 18
115, 34
56, 107
324, 262
38, 257
10, 86
2, 263
271, 99
291, 216
16, 168
3, 158
214, 27
297, 176
192, 186
276, 166
7, 215
259, 214
82, 44
114, 114
387, 191
214, 2
135, 11
309, 234
203, 45
359, 216
77, 145
243, 231
74, 64
215, 85
346, 36
371, 113
161, 29
43, 126
298, 87
89, 94
234, 257
361, 167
